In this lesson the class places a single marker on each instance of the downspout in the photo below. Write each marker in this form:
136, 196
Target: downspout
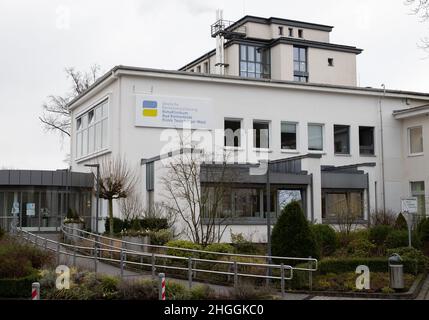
312, 199
382, 148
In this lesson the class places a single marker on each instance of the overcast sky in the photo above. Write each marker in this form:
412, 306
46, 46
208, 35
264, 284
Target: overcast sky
38, 39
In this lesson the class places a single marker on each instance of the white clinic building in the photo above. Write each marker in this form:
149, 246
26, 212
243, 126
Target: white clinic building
327, 139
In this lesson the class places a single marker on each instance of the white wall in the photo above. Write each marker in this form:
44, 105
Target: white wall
248, 101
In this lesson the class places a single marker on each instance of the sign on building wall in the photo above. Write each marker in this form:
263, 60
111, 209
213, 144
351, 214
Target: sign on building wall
31, 209
173, 112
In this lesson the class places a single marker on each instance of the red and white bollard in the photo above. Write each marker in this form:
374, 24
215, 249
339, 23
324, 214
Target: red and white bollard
162, 286
35, 291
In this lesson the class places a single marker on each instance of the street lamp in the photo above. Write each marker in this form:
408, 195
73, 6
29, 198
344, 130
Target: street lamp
97, 192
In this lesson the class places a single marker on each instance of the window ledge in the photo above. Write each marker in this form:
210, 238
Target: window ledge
414, 155
262, 150
316, 152
368, 155
290, 151
343, 155
233, 148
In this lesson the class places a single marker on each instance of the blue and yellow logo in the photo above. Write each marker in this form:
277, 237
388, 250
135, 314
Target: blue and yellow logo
150, 108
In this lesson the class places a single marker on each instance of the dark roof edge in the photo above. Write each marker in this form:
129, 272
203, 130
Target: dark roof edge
198, 60
292, 23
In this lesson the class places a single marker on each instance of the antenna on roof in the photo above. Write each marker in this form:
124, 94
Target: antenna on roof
220, 44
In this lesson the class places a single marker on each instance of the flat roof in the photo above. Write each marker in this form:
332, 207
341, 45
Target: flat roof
38, 178
411, 112
136, 71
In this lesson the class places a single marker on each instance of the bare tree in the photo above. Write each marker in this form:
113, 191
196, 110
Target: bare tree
116, 181
421, 9
56, 115
131, 207
199, 207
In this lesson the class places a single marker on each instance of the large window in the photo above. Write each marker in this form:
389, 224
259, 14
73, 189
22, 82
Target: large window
342, 139
254, 62
232, 133
92, 131
261, 134
315, 137
418, 191
415, 140
288, 136
300, 64
366, 141
342, 205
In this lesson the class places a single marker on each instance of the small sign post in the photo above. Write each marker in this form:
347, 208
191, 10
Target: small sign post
409, 207
35, 291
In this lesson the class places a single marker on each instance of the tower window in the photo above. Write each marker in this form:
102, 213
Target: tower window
281, 31
290, 32
331, 62
300, 33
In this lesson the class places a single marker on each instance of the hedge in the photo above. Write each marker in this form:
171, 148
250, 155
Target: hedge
17, 288
342, 265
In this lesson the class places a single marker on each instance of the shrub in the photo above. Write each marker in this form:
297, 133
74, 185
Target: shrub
423, 230
246, 291
412, 254
20, 260
326, 239
291, 235
138, 290
217, 247
361, 247
2, 233
379, 233
185, 245
399, 238
401, 222
118, 225
17, 288
154, 224
383, 218
342, 265
202, 292
176, 291
160, 237
243, 246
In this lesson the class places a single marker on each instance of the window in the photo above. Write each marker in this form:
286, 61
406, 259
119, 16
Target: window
206, 67
254, 62
418, 191
288, 136
261, 133
199, 69
366, 141
315, 137
300, 64
341, 139
92, 131
416, 140
331, 62
280, 31
290, 32
232, 133
342, 205
300, 33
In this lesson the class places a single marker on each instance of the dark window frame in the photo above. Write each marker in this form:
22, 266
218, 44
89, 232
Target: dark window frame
237, 137
337, 128
284, 146
257, 142
301, 73
370, 147
261, 60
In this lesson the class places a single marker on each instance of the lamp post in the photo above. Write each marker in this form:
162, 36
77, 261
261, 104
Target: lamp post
97, 166
268, 188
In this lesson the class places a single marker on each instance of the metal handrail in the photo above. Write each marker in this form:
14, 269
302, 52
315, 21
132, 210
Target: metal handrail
313, 261
33, 238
